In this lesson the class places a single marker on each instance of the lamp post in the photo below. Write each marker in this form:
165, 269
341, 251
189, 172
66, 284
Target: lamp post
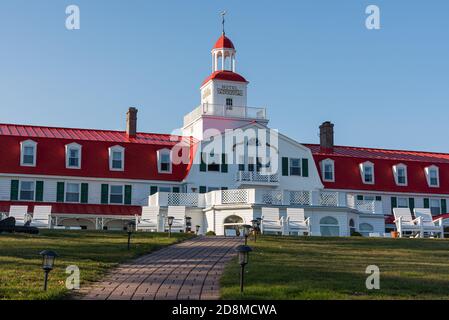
258, 223
254, 226
48, 261
246, 232
129, 229
188, 224
197, 229
243, 257
170, 223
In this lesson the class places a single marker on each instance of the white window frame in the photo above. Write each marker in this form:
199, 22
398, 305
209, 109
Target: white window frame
427, 171
20, 190
160, 154
111, 152
23, 145
323, 171
405, 200
79, 192
363, 166
438, 206
396, 169
110, 193
290, 167
68, 148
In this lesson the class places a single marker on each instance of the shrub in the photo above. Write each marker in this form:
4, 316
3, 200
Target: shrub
210, 233
356, 234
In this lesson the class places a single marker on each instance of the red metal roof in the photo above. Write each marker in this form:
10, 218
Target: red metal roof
74, 208
87, 134
348, 177
226, 76
224, 43
140, 152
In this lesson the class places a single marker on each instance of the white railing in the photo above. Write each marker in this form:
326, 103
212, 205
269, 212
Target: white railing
265, 197
256, 177
225, 111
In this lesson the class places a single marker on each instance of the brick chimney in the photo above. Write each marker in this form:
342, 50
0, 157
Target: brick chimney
131, 122
327, 136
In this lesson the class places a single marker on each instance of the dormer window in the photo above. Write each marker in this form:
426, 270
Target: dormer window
367, 172
116, 158
164, 161
73, 156
328, 170
400, 174
433, 176
28, 150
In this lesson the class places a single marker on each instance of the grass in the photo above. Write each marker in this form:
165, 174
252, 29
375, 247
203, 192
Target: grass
334, 268
94, 252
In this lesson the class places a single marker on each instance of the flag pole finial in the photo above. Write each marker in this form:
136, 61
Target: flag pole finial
223, 21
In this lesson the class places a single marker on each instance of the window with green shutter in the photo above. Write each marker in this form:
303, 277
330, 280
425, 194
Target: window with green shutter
128, 194
203, 167
153, 190
60, 192
224, 163
444, 206
176, 190
104, 193
411, 204
378, 198
426, 203
14, 195
203, 189
84, 192
359, 197
285, 167
394, 203
39, 191
305, 167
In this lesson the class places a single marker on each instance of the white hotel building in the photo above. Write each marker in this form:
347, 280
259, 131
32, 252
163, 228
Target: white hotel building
101, 179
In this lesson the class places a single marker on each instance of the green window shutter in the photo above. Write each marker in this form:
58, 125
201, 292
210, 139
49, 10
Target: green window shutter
153, 190
411, 204
285, 166
176, 190
394, 203
224, 163
128, 194
241, 167
203, 189
104, 194
444, 206
426, 203
203, 167
14, 190
39, 191
360, 197
60, 192
378, 198
84, 192
305, 168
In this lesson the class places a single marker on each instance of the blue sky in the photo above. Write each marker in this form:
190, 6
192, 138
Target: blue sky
307, 62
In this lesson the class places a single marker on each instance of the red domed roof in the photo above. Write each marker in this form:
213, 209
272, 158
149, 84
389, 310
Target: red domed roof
224, 43
224, 75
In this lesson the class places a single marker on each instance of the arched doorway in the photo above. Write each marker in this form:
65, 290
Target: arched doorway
233, 226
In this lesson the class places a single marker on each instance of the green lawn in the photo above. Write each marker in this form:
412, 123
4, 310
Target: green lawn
334, 268
21, 276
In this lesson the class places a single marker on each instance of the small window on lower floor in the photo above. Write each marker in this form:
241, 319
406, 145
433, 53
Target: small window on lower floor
72, 192
435, 207
403, 203
116, 195
27, 190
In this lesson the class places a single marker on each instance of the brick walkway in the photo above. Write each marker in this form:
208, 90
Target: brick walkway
189, 270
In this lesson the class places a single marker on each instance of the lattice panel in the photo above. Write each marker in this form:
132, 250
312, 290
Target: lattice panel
234, 196
329, 199
183, 199
273, 197
300, 197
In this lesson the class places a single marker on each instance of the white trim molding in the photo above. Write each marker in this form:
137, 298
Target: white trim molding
363, 167
396, 169
428, 171
68, 148
26, 144
160, 154
113, 149
323, 169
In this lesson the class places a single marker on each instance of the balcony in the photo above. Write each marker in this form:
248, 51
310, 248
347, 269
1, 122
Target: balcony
256, 178
208, 109
265, 197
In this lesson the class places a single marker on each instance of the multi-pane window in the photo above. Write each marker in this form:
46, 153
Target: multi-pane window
229, 103
213, 163
435, 206
164, 159
328, 170
433, 177
402, 175
72, 192
403, 203
27, 190
28, 153
116, 195
367, 172
117, 160
295, 167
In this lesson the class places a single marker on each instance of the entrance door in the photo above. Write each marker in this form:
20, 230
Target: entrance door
233, 226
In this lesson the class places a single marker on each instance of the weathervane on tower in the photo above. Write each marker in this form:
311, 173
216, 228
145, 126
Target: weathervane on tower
223, 20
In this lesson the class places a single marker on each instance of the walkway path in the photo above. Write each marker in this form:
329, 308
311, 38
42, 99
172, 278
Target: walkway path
189, 270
